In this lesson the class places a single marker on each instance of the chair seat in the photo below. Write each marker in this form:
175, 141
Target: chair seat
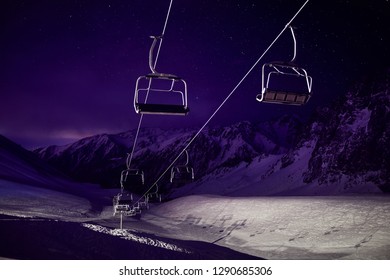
284, 97
162, 109
163, 76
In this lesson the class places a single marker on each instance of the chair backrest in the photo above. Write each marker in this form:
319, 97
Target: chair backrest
132, 178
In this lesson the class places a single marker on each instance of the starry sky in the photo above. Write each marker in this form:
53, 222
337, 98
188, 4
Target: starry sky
68, 68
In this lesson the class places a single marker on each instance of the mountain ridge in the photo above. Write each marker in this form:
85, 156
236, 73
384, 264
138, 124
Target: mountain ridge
106, 154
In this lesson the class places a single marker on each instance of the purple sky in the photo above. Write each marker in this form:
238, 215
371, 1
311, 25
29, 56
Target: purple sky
69, 67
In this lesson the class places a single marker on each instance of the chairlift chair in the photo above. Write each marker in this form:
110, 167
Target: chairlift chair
129, 213
136, 208
121, 208
154, 197
124, 198
122, 202
127, 210
131, 179
144, 203
182, 174
166, 83
285, 69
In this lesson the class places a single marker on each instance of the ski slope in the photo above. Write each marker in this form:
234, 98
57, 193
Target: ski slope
40, 223
349, 227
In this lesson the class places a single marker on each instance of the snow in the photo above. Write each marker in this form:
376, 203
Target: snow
350, 227
343, 227
361, 120
131, 235
263, 176
24, 200
65, 226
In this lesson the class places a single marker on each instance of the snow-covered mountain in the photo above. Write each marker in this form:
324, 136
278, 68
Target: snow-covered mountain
20, 165
101, 158
27, 180
344, 148
352, 139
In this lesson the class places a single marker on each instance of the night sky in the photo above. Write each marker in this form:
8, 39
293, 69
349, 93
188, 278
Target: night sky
68, 68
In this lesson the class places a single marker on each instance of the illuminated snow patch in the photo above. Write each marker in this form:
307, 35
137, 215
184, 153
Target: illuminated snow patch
125, 234
14, 214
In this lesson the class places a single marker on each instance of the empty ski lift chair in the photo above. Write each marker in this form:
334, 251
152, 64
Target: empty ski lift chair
144, 202
125, 208
285, 69
122, 202
136, 209
125, 199
182, 174
121, 208
154, 197
166, 84
130, 212
131, 179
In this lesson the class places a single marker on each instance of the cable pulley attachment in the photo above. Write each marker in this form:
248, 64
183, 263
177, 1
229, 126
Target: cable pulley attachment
293, 82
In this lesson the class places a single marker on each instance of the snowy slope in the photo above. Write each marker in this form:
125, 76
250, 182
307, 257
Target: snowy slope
273, 175
22, 172
62, 226
48, 217
39, 223
347, 227
20, 165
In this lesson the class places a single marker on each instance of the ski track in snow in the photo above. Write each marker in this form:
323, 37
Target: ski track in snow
128, 235
28, 201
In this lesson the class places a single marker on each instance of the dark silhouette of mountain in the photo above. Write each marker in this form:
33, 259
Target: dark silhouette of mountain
20, 165
101, 158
